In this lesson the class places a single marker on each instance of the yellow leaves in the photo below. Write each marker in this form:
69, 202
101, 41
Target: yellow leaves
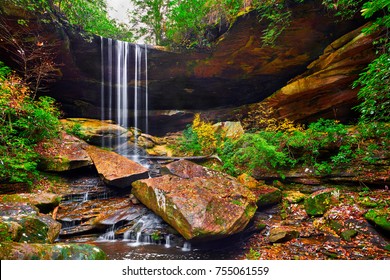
13, 92
206, 134
263, 117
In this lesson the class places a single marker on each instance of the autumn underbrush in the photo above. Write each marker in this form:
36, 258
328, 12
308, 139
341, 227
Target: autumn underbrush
323, 146
24, 122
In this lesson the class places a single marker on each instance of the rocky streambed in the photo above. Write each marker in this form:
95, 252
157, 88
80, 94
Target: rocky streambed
99, 204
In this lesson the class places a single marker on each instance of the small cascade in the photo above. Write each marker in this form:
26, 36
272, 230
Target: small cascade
168, 241
85, 197
109, 235
118, 76
142, 231
186, 247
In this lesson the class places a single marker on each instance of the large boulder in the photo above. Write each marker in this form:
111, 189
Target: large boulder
63, 154
229, 129
210, 206
116, 170
25, 251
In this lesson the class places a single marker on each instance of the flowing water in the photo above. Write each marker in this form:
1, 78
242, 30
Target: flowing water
124, 86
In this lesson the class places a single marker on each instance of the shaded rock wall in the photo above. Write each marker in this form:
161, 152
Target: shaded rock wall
325, 90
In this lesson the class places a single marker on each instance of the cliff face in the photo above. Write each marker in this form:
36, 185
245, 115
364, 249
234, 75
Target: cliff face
238, 70
324, 90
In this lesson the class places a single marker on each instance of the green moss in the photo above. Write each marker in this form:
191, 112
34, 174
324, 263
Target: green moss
348, 234
318, 203
5, 234
34, 231
269, 198
336, 226
380, 218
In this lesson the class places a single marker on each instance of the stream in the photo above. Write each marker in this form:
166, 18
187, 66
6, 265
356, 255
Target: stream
124, 229
127, 230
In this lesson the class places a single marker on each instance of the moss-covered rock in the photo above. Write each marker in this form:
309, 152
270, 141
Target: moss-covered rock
9, 230
38, 229
265, 195
380, 218
318, 202
294, 196
45, 202
63, 154
97, 132
23, 223
348, 234
24, 251
282, 234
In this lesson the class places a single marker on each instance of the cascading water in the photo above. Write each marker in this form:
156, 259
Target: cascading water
118, 77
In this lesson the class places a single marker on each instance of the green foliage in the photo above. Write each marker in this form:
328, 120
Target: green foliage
249, 152
76, 130
90, 15
375, 90
199, 138
23, 123
186, 22
148, 20
345, 9
324, 146
253, 254
189, 143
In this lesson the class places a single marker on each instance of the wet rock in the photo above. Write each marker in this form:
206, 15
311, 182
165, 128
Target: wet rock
24, 251
279, 234
40, 229
160, 150
318, 202
63, 154
98, 132
116, 170
199, 208
266, 195
25, 224
229, 129
18, 209
45, 202
380, 218
96, 216
294, 196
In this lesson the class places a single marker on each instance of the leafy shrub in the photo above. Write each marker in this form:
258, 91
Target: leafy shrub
199, 138
375, 90
250, 152
23, 123
262, 117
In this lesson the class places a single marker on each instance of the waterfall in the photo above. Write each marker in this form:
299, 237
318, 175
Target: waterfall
141, 231
118, 76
